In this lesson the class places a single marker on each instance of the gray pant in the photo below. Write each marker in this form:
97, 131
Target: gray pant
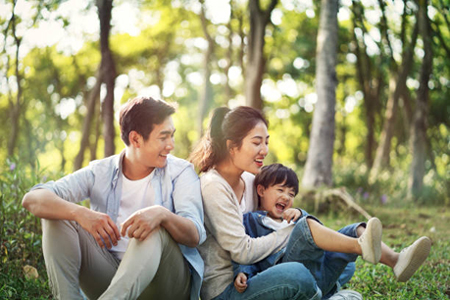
151, 269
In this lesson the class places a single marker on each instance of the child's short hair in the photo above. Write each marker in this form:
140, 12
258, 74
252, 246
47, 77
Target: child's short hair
276, 174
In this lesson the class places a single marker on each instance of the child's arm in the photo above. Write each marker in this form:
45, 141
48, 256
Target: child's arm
294, 214
240, 283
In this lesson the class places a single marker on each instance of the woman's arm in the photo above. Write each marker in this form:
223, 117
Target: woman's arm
224, 220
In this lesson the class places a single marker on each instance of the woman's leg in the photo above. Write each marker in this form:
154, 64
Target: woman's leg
284, 281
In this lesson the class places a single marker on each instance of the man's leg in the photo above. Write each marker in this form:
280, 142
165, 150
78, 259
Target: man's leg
154, 268
74, 259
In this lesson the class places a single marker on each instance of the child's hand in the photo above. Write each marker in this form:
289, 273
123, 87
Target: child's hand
292, 214
240, 283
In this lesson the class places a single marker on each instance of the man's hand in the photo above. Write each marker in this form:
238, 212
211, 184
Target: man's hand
291, 214
240, 283
143, 222
100, 226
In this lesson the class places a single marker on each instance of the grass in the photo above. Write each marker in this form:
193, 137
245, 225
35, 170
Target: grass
20, 241
401, 227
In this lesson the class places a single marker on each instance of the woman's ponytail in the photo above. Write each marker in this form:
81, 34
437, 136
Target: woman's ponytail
226, 125
212, 147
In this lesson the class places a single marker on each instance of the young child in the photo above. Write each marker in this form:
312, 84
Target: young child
323, 251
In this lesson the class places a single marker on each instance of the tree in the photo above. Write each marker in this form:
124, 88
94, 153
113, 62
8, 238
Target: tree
108, 71
370, 80
397, 88
15, 103
419, 128
320, 153
206, 94
256, 61
91, 103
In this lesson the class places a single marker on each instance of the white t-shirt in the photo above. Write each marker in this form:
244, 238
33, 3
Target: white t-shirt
136, 194
247, 205
271, 223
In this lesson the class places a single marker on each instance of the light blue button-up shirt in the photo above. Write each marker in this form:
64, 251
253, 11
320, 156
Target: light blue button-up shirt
176, 187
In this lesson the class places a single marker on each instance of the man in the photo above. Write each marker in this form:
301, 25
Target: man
146, 217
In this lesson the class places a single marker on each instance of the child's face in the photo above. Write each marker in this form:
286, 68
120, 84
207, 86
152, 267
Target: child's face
276, 199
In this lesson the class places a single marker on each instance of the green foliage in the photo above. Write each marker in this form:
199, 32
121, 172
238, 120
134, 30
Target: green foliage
391, 185
20, 234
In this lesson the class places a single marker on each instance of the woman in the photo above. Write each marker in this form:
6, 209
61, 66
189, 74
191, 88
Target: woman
235, 146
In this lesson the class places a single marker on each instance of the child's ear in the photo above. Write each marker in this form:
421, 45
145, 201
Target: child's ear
260, 190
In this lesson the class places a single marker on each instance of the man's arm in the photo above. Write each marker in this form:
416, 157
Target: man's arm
144, 221
45, 204
185, 224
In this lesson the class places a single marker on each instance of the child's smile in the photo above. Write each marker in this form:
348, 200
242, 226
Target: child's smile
276, 199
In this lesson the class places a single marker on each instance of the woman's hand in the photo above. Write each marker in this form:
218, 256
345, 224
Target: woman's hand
292, 214
240, 283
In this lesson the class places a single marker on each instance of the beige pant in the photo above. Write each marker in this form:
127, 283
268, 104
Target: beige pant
151, 269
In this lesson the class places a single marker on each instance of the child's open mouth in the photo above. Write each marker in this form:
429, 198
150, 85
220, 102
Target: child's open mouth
280, 206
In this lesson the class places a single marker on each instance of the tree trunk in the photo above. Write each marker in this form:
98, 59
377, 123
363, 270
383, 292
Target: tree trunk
242, 39
419, 129
108, 74
86, 131
255, 56
369, 85
206, 94
93, 145
397, 87
15, 107
229, 56
320, 153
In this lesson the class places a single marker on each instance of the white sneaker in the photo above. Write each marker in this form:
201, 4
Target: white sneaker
411, 258
370, 241
346, 295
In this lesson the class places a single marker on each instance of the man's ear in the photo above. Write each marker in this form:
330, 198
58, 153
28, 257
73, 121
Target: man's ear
135, 139
260, 190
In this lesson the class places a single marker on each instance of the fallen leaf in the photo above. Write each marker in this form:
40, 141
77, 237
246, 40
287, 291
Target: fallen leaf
30, 272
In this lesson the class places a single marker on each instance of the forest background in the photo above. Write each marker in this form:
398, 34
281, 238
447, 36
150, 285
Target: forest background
356, 93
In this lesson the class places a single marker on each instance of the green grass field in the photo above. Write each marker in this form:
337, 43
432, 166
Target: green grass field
401, 227
21, 246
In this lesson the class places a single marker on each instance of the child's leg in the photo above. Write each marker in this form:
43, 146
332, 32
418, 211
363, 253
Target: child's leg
302, 248
368, 244
330, 240
408, 261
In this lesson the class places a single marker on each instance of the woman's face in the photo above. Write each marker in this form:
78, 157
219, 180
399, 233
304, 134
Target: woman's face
250, 156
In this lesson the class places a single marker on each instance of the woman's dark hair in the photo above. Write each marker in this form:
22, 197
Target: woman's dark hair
277, 174
226, 124
140, 114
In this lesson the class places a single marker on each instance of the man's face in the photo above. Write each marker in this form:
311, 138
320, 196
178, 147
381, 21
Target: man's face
153, 152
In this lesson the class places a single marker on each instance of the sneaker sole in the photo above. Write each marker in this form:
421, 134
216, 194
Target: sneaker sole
374, 232
415, 260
